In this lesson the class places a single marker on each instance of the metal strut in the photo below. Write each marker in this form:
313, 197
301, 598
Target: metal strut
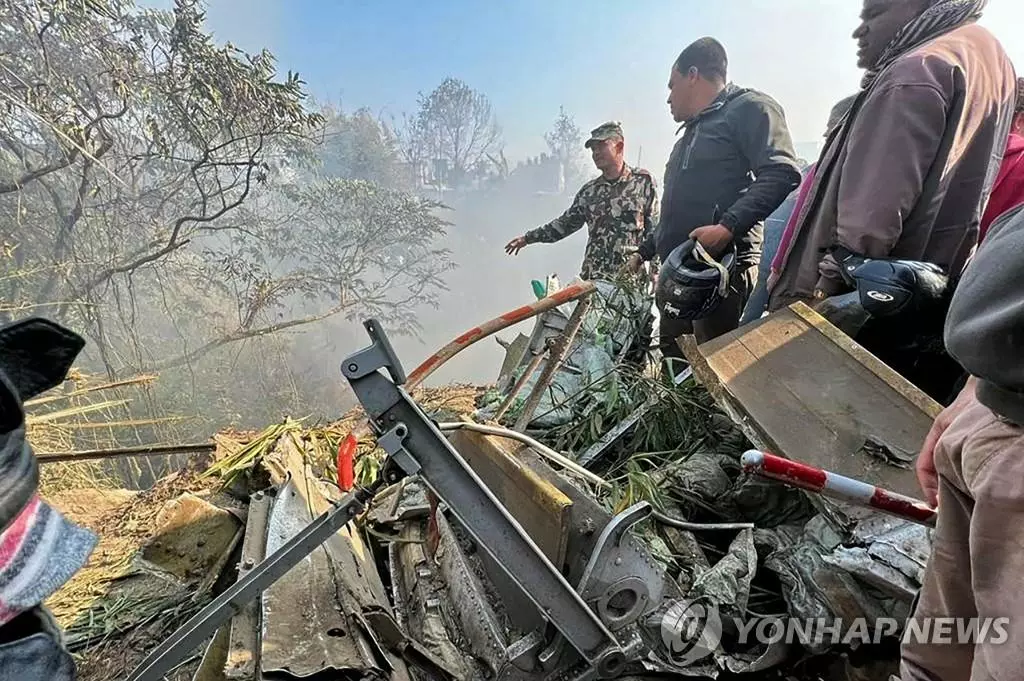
417, 447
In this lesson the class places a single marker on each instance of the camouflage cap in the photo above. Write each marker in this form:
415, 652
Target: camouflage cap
606, 131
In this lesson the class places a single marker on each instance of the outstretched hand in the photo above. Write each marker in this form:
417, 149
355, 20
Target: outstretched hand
513, 247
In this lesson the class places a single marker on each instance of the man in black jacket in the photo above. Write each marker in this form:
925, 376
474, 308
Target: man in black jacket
732, 168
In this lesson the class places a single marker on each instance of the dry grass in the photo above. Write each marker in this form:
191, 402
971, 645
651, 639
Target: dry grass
123, 521
112, 617
84, 413
321, 442
54, 421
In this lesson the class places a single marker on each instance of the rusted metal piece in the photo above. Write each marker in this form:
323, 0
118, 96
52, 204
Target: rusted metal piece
557, 354
540, 507
192, 541
514, 392
242, 661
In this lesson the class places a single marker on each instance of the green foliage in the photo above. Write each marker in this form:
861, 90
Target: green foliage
170, 198
680, 416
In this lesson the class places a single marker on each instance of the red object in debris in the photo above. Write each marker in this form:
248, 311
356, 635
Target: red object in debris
795, 473
346, 462
837, 486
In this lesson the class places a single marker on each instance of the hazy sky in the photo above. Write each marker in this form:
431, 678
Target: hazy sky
601, 59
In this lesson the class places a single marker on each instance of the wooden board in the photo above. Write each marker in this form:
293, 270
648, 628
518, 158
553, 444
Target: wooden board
802, 389
542, 509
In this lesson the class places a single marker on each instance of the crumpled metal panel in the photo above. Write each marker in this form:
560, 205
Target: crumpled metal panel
419, 607
193, 541
480, 623
887, 579
305, 630
900, 544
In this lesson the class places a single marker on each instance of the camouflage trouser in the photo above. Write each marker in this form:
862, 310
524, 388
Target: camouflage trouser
31, 649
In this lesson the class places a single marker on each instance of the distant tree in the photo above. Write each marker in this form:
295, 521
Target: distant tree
565, 140
358, 146
455, 128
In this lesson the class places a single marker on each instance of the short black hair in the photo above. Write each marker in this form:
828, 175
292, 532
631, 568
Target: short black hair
707, 56
1020, 97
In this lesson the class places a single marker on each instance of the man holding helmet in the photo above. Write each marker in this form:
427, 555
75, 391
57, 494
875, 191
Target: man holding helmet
733, 166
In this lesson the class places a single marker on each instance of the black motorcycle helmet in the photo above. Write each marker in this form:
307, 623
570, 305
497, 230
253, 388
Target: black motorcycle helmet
691, 283
897, 287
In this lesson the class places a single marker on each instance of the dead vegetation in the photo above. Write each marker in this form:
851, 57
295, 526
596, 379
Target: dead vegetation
112, 611
104, 622
88, 412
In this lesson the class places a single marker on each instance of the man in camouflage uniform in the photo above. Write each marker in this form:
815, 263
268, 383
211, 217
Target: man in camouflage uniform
620, 208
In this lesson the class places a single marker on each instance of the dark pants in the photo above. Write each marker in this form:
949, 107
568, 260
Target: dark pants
31, 649
725, 318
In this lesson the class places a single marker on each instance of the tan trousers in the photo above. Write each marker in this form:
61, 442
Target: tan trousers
976, 569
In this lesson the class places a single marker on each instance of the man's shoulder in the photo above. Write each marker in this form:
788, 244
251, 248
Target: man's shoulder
751, 103
644, 174
752, 97
589, 186
967, 48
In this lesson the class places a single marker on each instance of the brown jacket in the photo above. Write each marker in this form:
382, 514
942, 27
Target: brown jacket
909, 174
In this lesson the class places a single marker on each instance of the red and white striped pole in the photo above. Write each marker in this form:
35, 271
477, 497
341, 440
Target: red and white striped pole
837, 487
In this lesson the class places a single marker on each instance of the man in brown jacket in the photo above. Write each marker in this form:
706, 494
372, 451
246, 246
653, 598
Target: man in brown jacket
907, 174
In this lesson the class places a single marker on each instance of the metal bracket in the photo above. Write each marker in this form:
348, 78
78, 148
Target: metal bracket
391, 442
380, 355
417, 445
621, 580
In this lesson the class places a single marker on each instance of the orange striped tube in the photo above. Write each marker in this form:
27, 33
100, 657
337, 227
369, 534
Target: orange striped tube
476, 334
432, 363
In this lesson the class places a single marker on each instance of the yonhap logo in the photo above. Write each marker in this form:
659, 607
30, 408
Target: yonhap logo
691, 630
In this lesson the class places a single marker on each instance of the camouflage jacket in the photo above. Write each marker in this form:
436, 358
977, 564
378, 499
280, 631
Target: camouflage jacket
620, 214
